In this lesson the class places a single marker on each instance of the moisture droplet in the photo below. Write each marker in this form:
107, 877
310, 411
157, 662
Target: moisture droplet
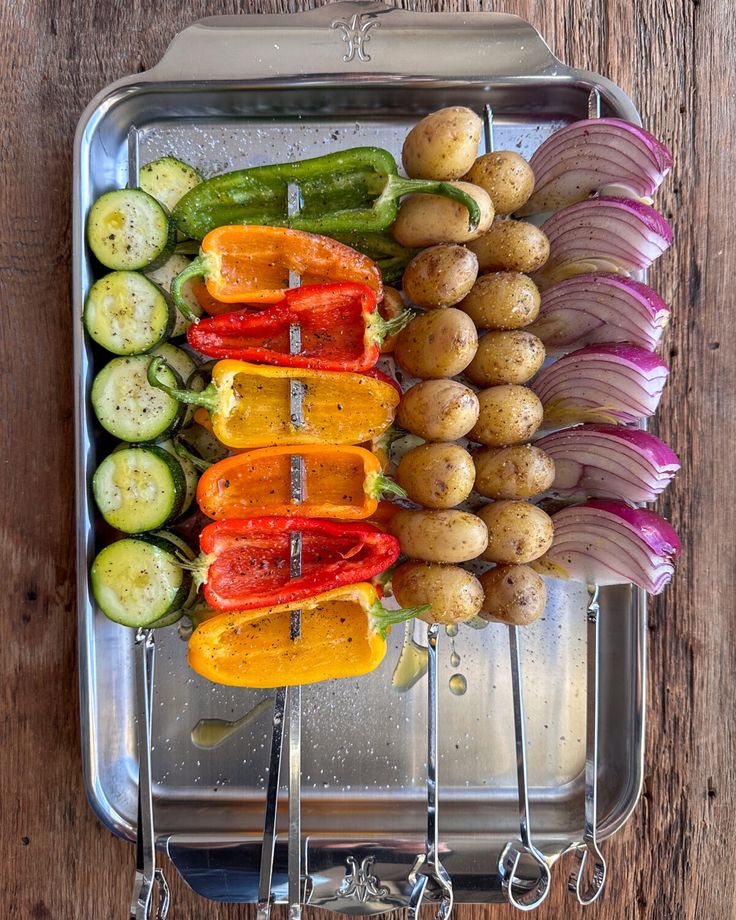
454, 659
452, 630
209, 733
458, 684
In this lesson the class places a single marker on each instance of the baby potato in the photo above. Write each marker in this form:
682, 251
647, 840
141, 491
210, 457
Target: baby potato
506, 176
425, 220
454, 594
502, 300
439, 536
506, 357
511, 245
442, 145
437, 344
509, 414
437, 475
438, 410
521, 471
513, 594
440, 276
517, 532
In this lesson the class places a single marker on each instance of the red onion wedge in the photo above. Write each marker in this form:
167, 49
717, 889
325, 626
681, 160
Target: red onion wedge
600, 307
609, 543
613, 384
602, 234
604, 156
606, 461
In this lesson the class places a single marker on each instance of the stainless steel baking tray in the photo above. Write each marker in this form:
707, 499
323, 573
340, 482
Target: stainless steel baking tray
232, 91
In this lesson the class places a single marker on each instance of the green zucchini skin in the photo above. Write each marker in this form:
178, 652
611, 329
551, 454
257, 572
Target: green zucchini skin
168, 179
128, 230
139, 488
128, 314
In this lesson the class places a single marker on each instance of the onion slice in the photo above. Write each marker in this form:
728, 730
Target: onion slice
609, 543
603, 234
600, 307
612, 384
606, 461
596, 156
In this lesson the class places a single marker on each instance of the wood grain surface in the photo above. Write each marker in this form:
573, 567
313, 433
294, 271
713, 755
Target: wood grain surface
675, 57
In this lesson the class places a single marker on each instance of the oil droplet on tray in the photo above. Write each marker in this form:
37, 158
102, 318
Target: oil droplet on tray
458, 684
452, 630
210, 733
454, 659
412, 664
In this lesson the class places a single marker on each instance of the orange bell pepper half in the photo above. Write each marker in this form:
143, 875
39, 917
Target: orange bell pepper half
251, 264
343, 634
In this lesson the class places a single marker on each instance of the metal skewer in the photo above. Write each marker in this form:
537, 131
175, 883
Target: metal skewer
587, 849
146, 871
428, 869
287, 698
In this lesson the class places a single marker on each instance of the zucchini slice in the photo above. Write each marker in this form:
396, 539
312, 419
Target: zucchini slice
183, 364
203, 443
127, 405
168, 179
189, 472
184, 551
164, 275
137, 582
139, 488
128, 229
128, 314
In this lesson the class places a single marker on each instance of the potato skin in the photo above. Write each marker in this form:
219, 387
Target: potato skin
439, 536
518, 532
509, 414
506, 176
440, 343
502, 300
443, 145
520, 471
513, 594
440, 276
438, 410
437, 475
511, 245
506, 357
455, 595
426, 220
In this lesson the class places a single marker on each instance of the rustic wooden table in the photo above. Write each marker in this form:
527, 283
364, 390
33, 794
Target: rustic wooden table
675, 57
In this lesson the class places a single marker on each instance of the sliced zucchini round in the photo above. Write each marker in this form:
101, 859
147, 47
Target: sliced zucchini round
128, 314
168, 180
189, 472
139, 488
127, 405
184, 551
136, 582
203, 443
128, 230
164, 275
183, 364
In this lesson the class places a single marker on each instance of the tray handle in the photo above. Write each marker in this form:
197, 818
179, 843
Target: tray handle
356, 37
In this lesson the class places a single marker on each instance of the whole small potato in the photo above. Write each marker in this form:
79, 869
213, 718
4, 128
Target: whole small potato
439, 536
443, 145
454, 594
511, 245
521, 471
440, 343
437, 475
513, 594
506, 176
502, 300
390, 307
509, 414
440, 276
425, 220
506, 357
438, 410
517, 532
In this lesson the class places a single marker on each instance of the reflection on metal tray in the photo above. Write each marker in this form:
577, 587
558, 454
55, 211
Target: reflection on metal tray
236, 91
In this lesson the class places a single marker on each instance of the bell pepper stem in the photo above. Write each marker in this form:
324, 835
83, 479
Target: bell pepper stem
197, 268
378, 484
187, 248
384, 619
397, 187
198, 567
206, 398
183, 451
379, 328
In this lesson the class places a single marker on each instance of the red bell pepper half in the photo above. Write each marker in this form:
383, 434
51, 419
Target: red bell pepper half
340, 329
246, 563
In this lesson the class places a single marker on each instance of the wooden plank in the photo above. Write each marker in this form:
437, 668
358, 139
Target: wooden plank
675, 58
